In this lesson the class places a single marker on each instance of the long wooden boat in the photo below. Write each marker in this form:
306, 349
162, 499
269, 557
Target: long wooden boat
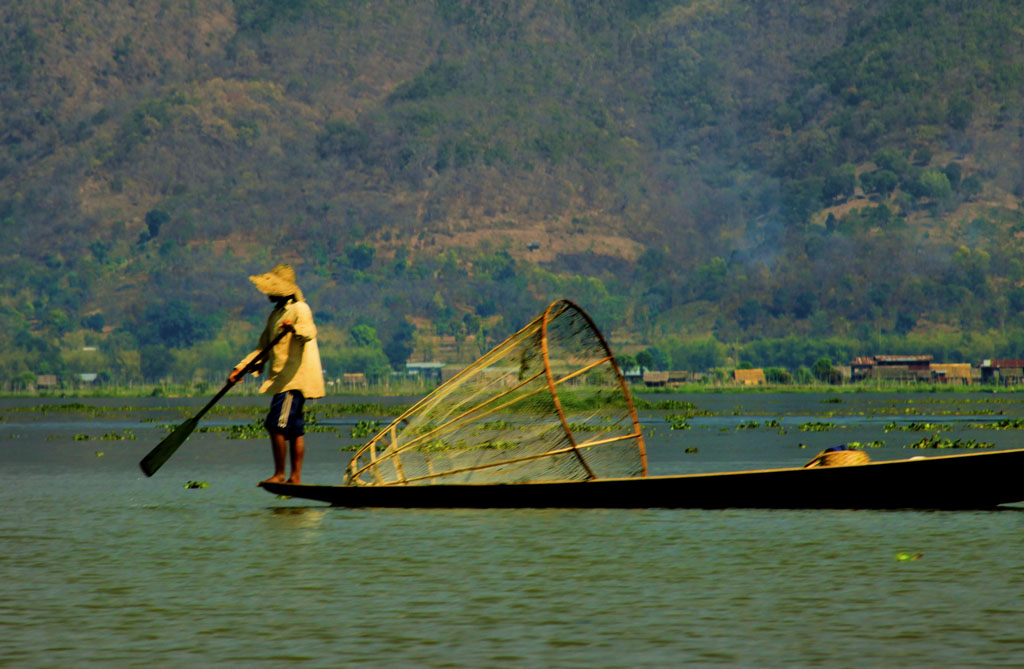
966, 481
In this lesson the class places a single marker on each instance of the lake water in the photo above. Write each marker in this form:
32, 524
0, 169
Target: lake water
101, 566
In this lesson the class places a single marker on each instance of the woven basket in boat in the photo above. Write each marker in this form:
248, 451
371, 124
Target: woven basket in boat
838, 459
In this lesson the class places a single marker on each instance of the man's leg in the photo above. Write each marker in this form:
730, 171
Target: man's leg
298, 453
278, 446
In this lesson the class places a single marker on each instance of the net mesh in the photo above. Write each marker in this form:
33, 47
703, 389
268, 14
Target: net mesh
547, 404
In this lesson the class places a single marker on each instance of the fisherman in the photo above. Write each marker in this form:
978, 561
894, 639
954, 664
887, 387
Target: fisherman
294, 375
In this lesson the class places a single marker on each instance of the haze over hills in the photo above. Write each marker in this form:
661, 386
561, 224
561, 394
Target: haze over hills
716, 182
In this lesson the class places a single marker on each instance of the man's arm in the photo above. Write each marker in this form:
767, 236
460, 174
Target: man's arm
300, 319
236, 373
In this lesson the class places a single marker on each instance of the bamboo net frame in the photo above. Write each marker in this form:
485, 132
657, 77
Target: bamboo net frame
547, 404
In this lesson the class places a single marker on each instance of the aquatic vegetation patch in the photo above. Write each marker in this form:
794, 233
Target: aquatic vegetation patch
903, 556
677, 422
817, 426
252, 430
917, 427
679, 407
499, 444
79, 407
364, 428
126, 435
590, 427
313, 425
935, 441
1006, 424
856, 445
195, 485
667, 405
496, 425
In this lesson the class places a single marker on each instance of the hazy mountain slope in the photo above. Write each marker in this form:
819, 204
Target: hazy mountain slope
680, 168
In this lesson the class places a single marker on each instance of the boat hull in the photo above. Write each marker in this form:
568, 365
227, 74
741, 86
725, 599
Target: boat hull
972, 481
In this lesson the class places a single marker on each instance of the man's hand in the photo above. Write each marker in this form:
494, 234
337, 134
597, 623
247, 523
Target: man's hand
287, 326
233, 376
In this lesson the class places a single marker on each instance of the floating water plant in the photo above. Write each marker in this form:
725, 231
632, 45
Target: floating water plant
677, 422
81, 437
313, 425
935, 441
496, 425
127, 435
253, 430
197, 484
908, 557
364, 428
918, 427
589, 427
1005, 424
870, 444
817, 427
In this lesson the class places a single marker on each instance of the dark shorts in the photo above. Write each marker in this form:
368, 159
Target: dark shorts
285, 415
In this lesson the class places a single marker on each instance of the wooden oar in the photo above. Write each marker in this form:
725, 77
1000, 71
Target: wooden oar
155, 459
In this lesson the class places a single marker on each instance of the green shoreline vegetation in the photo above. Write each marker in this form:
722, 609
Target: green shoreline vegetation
418, 389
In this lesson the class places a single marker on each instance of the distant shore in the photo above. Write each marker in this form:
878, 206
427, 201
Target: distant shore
395, 390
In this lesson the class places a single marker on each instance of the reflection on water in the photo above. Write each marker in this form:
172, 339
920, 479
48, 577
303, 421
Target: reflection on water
102, 566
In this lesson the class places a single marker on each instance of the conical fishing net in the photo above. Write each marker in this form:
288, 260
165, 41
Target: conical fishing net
547, 404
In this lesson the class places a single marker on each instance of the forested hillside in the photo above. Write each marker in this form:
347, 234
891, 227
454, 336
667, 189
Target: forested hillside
716, 182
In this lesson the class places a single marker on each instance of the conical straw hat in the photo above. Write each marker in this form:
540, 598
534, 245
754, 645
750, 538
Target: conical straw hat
278, 282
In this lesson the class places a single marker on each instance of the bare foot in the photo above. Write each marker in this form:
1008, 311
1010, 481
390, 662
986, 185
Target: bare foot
276, 478
294, 480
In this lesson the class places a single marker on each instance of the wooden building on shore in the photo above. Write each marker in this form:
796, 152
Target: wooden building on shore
897, 368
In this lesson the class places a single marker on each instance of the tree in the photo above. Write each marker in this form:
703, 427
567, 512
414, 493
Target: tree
882, 182
398, 353
626, 362
155, 361
953, 172
971, 187
58, 321
698, 355
824, 371
892, 160
400, 347
94, 321
360, 256
155, 218
778, 375
959, 113
653, 358
935, 184
839, 183
175, 325
363, 335
341, 138
904, 323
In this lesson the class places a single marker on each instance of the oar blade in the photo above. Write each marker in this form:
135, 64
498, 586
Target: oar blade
156, 458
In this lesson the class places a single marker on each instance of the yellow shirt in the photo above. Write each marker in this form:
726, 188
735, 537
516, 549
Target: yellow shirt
295, 360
